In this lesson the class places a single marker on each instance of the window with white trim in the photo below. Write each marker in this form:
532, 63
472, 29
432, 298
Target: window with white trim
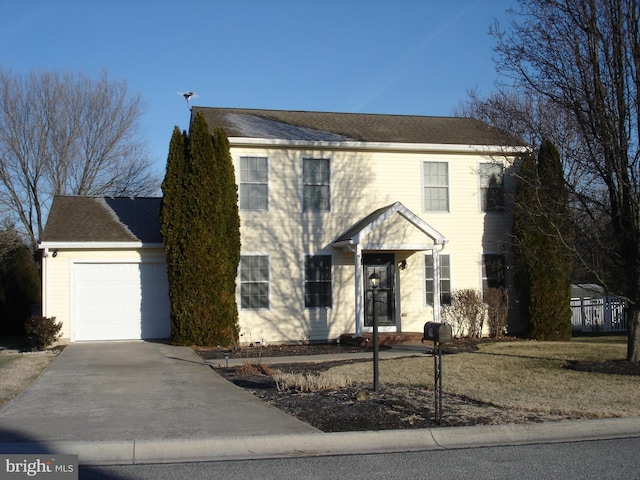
316, 178
491, 187
435, 181
317, 281
254, 281
445, 279
254, 183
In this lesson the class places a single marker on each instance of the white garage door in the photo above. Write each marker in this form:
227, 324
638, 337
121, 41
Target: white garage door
121, 301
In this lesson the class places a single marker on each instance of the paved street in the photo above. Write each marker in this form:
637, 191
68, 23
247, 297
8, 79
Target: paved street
602, 460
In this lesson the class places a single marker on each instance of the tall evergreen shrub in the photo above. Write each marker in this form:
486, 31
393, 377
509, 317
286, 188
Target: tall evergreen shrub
543, 236
201, 229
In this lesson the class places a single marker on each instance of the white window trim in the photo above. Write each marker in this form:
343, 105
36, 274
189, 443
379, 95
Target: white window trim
239, 282
318, 254
424, 276
504, 187
302, 184
423, 186
240, 182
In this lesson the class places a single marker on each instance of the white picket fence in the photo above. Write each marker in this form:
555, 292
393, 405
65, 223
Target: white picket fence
602, 315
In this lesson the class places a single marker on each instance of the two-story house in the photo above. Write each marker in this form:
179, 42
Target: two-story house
325, 199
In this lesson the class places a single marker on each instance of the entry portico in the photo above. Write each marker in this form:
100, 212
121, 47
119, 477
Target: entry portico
374, 241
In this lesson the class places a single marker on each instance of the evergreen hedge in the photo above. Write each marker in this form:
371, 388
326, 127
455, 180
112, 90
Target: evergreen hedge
201, 229
543, 236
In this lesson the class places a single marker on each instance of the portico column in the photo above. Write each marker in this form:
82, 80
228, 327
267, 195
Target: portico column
359, 320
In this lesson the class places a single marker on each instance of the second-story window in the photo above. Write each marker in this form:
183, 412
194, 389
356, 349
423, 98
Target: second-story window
436, 186
491, 187
253, 189
316, 176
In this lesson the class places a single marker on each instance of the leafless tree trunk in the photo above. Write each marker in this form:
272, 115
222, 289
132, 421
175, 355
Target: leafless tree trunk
583, 58
66, 134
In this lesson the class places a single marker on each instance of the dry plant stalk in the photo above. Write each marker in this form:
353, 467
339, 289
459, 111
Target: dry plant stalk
248, 368
309, 382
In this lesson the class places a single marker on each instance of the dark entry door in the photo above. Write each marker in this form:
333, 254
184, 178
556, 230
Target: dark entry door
383, 264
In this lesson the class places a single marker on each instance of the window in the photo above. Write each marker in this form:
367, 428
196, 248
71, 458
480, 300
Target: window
317, 281
493, 271
445, 279
254, 281
316, 176
254, 183
436, 187
491, 187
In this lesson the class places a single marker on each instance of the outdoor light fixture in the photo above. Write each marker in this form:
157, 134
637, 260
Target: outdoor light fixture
374, 282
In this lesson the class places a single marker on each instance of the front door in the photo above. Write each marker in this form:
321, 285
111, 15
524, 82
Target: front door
383, 264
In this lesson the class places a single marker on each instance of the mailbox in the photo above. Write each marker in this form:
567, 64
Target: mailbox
437, 332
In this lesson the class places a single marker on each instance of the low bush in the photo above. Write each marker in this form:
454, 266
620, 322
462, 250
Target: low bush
42, 331
466, 313
497, 300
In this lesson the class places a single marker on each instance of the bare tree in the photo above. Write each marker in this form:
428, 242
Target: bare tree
67, 134
582, 57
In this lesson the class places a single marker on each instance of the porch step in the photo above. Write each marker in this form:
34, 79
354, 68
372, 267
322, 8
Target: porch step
384, 339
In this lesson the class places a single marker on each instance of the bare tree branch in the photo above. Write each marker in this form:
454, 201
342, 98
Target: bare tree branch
67, 134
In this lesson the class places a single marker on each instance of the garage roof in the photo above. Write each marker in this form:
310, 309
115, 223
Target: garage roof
103, 219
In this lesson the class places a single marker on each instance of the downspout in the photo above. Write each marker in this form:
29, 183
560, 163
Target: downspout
44, 301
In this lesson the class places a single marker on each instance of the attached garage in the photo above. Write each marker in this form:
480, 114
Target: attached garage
104, 274
120, 301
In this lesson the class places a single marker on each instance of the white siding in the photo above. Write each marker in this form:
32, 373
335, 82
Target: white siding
361, 182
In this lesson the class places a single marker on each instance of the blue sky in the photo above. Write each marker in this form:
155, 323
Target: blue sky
367, 56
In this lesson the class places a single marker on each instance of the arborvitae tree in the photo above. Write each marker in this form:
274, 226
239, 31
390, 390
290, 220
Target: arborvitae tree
542, 234
228, 235
200, 225
171, 223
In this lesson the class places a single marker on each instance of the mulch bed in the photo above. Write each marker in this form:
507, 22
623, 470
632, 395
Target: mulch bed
359, 408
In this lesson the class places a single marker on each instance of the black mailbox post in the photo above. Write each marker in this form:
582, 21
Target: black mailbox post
438, 333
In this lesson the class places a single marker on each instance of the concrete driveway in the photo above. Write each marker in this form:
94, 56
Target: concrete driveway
117, 391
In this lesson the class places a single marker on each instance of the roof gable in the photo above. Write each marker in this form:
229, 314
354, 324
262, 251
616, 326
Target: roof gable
354, 127
103, 219
359, 231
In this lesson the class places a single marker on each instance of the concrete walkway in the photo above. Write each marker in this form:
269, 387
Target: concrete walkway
140, 402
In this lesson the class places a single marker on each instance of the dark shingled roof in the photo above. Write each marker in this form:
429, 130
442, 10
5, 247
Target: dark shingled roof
354, 127
103, 219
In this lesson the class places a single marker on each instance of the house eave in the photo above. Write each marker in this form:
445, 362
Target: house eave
99, 245
378, 146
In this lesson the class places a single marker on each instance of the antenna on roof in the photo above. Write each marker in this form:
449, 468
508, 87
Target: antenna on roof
188, 96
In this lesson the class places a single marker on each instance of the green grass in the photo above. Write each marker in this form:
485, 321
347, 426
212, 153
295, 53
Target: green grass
523, 375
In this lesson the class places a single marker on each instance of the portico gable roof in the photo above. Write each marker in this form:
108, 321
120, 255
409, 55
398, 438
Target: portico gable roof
357, 233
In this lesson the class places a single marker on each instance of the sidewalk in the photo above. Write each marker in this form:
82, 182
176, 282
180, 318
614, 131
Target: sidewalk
139, 402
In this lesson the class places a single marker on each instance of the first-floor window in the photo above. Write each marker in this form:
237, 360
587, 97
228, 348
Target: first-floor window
317, 281
445, 279
493, 271
254, 281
